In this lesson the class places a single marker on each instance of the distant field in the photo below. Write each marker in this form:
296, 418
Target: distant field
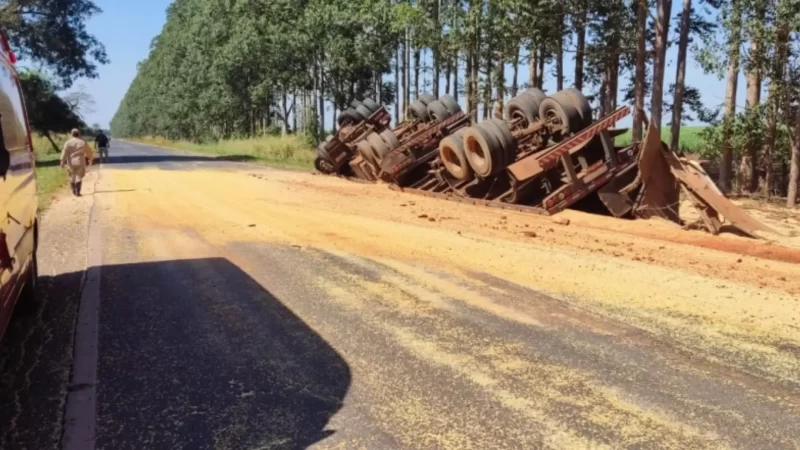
690, 140
289, 151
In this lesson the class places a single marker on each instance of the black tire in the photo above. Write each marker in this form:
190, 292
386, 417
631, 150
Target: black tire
507, 141
348, 114
28, 301
580, 103
536, 94
363, 111
418, 110
379, 148
522, 107
426, 98
390, 139
437, 110
323, 165
450, 103
371, 104
355, 104
552, 110
481, 144
454, 156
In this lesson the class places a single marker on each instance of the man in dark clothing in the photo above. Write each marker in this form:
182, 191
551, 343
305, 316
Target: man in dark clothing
101, 142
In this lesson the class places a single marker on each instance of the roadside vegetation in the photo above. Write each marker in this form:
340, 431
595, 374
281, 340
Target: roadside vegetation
49, 176
288, 151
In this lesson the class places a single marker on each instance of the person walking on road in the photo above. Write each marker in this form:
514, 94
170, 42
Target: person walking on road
101, 144
76, 155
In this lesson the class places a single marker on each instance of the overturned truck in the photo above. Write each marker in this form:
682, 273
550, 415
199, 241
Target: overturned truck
364, 138
547, 154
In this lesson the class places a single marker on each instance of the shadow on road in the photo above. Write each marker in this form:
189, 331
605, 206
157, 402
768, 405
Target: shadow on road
193, 354
165, 158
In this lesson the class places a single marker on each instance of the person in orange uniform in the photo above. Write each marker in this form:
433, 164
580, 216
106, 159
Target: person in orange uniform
76, 155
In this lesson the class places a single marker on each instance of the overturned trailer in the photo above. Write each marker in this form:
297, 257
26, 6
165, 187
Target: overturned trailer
547, 155
364, 138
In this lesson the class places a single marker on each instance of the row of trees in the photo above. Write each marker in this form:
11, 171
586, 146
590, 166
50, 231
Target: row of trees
51, 36
224, 68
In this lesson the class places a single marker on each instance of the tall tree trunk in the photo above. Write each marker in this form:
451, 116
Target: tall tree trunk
533, 80
774, 100
794, 171
680, 76
455, 76
470, 95
487, 88
406, 75
540, 76
726, 170
515, 73
294, 111
748, 172
500, 83
416, 73
560, 53
397, 85
641, 64
320, 87
435, 50
664, 8
580, 30
447, 71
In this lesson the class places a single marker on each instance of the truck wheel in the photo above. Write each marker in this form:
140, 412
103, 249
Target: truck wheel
355, 104
437, 110
481, 144
426, 98
553, 111
418, 110
536, 94
371, 104
348, 114
581, 104
379, 148
323, 165
507, 142
454, 156
363, 111
522, 107
390, 139
450, 103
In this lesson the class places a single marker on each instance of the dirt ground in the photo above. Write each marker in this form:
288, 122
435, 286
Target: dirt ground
728, 298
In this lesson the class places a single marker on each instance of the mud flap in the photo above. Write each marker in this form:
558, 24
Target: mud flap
618, 202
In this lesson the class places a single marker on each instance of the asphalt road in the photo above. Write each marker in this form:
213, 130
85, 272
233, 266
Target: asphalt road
218, 327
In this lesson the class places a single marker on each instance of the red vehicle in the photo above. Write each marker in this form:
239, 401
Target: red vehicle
19, 229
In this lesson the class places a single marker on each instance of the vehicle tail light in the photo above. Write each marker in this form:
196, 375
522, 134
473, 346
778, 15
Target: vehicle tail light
7, 48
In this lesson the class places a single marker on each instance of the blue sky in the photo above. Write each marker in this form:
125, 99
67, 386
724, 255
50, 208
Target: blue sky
126, 28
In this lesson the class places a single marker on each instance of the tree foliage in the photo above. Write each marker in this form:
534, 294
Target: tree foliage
53, 33
47, 112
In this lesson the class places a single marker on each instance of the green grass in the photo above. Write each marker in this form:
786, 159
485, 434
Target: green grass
49, 176
286, 151
690, 140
